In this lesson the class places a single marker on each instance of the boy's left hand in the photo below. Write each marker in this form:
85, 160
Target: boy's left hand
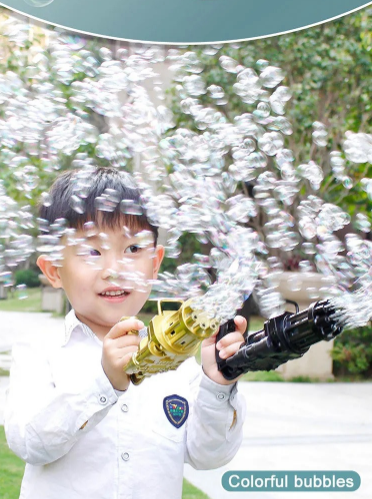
227, 346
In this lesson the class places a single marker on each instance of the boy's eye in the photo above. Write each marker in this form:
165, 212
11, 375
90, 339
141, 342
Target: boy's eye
132, 249
94, 252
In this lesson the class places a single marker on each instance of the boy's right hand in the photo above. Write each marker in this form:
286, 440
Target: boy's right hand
118, 347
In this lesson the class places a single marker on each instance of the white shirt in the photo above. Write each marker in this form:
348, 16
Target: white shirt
81, 440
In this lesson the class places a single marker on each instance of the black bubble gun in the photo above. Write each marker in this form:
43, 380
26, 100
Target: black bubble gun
285, 337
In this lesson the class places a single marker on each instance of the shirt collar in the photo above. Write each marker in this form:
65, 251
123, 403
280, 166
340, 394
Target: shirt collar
72, 323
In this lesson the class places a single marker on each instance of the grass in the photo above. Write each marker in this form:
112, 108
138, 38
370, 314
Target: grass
189, 491
304, 379
11, 470
11, 473
262, 376
256, 323
30, 304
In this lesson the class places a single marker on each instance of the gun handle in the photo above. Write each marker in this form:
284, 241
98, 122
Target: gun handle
225, 329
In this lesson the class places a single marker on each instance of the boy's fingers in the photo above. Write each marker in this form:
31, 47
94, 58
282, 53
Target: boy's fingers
240, 323
123, 327
230, 339
127, 340
129, 351
209, 341
229, 350
241, 326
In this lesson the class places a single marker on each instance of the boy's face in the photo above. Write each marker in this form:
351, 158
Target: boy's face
106, 277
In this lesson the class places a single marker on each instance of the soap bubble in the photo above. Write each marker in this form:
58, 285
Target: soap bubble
21, 291
320, 134
294, 283
228, 64
358, 147
6, 279
313, 173
271, 76
362, 223
270, 143
77, 204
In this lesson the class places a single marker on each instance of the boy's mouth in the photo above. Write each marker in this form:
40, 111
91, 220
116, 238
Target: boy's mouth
114, 295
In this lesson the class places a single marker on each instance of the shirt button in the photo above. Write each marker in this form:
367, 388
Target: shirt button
221, 396
124, 408
125, 456
103, 399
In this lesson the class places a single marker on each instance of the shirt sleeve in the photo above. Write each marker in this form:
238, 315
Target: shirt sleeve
215, 423
42, 423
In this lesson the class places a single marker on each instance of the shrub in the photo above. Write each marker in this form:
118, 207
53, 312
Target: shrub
352, 352
29, 277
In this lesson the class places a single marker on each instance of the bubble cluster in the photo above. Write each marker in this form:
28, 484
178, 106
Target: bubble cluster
16, 243
230, 180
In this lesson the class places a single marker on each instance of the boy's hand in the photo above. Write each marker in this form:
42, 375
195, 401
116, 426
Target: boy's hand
227, 346
118, 347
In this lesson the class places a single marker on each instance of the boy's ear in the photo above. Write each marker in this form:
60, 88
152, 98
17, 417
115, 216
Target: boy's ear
158, 258
50, 271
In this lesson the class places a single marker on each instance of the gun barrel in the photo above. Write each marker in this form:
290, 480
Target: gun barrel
318, 322
283, 338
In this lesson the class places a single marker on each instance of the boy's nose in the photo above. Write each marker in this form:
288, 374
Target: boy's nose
109, 273
113, 267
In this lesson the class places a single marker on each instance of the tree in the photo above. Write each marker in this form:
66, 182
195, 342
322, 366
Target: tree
328, 71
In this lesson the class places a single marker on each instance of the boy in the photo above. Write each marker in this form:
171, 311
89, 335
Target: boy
72, 414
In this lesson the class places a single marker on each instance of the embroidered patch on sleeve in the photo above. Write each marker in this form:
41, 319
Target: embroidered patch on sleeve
176, 409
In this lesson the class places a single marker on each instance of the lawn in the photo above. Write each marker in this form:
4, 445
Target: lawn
11, 472
30, 304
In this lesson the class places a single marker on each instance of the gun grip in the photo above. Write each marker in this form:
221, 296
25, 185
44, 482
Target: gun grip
225, 329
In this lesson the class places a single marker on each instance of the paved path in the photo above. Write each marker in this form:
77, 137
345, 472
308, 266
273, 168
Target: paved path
15, 326
292, 426
289, 426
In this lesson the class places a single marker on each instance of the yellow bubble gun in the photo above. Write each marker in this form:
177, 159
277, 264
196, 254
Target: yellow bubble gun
173, 337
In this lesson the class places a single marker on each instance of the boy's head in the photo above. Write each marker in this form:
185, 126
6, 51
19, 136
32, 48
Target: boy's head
110, 249
105, 196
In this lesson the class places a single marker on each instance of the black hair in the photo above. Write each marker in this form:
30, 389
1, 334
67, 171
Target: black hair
68, 189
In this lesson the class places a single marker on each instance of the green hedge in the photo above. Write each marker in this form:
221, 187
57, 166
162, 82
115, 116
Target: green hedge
352, 353
29, 277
